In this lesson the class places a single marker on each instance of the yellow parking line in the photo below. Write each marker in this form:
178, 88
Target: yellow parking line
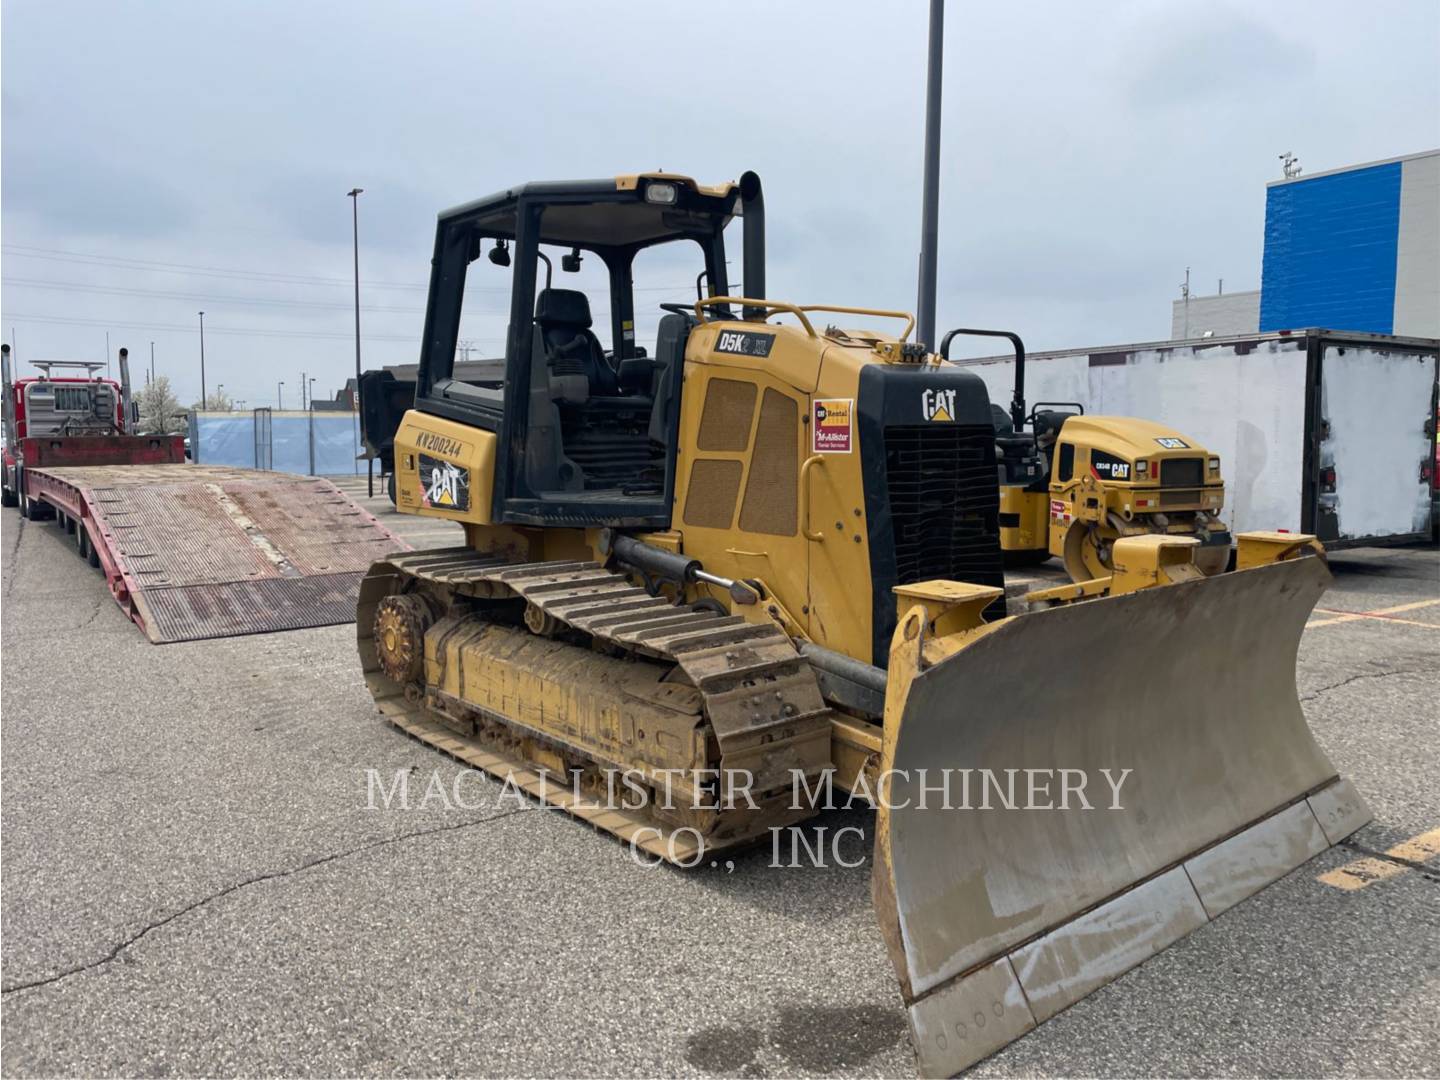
1361, 872
1425, 846
1372, 618
1385, 614
1367, 871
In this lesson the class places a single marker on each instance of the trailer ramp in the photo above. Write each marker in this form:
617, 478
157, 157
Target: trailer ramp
196, 551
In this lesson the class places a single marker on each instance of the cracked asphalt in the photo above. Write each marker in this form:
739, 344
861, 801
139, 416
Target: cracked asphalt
194, 884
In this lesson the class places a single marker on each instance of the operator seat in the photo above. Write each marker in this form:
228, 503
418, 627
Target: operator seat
571, 348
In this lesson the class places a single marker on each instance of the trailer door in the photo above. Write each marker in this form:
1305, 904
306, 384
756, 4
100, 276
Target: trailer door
1375, 404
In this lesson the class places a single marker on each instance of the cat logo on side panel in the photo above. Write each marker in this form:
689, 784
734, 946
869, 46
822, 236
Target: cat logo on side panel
938, 405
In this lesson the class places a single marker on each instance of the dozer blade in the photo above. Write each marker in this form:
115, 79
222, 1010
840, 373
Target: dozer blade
997, 919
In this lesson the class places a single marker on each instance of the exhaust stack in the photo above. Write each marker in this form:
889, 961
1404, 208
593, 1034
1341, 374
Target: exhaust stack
126, 409
9, 391
752, 203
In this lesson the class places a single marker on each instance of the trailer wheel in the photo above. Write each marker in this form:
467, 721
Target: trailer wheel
8, 497
92, 554
390, 488
24, 504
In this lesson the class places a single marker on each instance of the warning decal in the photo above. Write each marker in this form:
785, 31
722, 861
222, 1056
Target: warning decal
833, 426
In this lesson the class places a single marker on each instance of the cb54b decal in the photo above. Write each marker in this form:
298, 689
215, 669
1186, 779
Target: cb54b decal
1108, 467
832, 426
443, 484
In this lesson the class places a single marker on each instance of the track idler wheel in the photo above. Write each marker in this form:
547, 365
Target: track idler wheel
400, 625
541, 622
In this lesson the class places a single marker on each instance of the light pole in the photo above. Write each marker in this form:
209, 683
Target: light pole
280, 395
220, 390
152, 361
930, 197
354, 195
307, 402
202, 361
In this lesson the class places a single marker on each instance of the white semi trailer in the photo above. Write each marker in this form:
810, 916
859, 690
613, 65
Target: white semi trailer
1318, 431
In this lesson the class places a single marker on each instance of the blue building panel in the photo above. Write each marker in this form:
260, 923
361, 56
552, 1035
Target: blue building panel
1330, 246
229, 439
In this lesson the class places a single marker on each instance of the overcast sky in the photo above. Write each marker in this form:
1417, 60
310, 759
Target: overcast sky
161, 158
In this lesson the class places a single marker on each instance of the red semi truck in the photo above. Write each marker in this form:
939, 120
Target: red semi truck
60, 419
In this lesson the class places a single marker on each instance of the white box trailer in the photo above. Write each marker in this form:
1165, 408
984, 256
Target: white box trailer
1318, 431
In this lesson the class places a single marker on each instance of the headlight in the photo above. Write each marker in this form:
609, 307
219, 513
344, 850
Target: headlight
660, 193
1214, 464
1142, 466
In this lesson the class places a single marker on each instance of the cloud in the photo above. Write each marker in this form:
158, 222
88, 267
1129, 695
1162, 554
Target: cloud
310, 206
1200, 53
73, 191
1090, 153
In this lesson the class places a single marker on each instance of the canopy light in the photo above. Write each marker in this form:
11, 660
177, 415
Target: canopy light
664, 194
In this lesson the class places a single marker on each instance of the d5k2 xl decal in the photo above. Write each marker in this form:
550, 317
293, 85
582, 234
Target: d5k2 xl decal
744, 343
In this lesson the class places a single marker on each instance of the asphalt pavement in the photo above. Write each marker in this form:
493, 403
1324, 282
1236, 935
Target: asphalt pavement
194, 882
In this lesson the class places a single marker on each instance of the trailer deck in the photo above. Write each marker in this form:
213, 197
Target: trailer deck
199, 551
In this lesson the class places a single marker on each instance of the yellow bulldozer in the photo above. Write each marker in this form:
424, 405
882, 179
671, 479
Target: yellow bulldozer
705, 578
1074, 484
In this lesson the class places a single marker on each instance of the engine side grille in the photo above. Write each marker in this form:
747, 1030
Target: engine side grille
944, 503
1177, 499
1182, 472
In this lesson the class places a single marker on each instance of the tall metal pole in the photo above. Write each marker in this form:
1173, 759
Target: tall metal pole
355, 224
152, 361
354, 194
930, 198
107, 354
202, 361
302, 389
280, 396
312, 424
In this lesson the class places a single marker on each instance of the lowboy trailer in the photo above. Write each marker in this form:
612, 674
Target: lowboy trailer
188, 551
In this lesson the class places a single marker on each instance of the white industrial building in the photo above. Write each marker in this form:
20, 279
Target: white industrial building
1356, 248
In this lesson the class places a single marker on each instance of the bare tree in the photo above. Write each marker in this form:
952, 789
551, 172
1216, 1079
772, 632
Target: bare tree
160, 411
215, 401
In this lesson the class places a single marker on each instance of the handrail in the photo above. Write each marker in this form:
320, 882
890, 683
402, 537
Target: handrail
745, 301
804, 485
884, 313
799, 310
